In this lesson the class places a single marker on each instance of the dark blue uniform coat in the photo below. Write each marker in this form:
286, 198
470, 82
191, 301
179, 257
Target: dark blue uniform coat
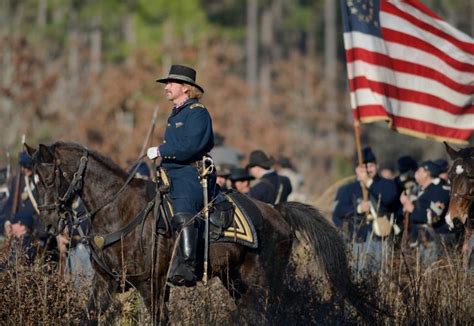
267, 188
188, 137
25, 206
427, 202
350, 195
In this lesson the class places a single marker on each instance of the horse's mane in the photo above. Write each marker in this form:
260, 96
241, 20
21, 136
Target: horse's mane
102, 159
466, 153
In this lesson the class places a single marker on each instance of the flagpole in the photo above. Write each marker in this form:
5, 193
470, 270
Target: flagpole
365, 194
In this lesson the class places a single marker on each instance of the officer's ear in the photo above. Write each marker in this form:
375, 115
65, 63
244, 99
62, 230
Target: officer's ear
45, 154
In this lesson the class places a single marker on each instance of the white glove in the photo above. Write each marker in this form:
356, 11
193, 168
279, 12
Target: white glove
152, 153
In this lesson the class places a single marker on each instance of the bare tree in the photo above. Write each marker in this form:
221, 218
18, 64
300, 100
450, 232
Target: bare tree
252, 46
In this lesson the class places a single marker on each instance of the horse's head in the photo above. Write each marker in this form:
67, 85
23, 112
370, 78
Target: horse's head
59, 179
461, 177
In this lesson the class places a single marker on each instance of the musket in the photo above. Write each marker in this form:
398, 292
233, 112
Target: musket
16, 195
9, 165
150, 130
406, 223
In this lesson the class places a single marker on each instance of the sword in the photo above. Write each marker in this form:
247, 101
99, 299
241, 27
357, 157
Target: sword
205, 172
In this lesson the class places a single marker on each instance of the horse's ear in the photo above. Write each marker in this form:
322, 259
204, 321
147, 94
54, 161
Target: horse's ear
30, 150
46, 154
451, 151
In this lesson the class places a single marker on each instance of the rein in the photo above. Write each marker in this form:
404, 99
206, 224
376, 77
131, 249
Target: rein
62, 204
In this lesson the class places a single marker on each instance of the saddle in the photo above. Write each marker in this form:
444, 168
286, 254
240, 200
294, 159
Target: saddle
233, 217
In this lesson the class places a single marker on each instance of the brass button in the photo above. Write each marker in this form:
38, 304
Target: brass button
164, 141
169, 124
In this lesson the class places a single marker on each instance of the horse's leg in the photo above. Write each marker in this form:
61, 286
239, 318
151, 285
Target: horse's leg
154, 291
467, 248
155, 296
99, 299
252, 285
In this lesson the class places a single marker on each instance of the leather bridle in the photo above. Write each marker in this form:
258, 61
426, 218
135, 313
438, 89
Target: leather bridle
62, 204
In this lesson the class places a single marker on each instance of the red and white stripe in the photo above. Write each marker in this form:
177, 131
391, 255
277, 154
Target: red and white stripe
420, 76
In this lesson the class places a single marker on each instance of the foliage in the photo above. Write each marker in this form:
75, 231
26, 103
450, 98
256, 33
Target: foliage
85, 71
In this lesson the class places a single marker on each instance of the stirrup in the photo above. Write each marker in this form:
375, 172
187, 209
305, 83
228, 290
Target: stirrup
178, 281
184, 275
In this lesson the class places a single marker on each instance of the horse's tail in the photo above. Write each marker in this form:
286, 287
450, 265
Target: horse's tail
330, 252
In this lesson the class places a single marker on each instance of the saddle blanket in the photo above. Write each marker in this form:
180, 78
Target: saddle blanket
235, 219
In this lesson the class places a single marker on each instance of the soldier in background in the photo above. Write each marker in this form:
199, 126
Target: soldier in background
285, 167
443, 168
240, 180
405, 182
22, 248
354, 215
4, 196
270, 187
25, 202
427, 212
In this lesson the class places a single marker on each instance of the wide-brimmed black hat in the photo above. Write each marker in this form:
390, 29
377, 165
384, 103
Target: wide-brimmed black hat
259, 158
240, 174
181, 74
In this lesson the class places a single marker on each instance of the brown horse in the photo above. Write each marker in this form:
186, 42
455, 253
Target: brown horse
139, 257
461, 208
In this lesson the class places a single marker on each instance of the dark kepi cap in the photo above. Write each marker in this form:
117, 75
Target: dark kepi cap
407, 163
181, 74
259, 158
25, 160
23, 218
240, 174
442, 164
431, 167
368, 156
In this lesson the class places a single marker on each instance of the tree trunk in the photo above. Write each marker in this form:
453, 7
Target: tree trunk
96, 45
330, 69
130, 37
252, 47
42, 11
266, 56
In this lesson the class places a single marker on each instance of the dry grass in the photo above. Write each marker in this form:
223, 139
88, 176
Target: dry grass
439, 294
38, 295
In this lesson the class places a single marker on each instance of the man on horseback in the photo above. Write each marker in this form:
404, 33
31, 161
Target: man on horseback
188, 137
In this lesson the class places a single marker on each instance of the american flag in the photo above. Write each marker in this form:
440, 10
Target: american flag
410, 68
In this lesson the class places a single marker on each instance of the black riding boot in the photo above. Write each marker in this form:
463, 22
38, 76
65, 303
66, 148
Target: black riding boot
183, 265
